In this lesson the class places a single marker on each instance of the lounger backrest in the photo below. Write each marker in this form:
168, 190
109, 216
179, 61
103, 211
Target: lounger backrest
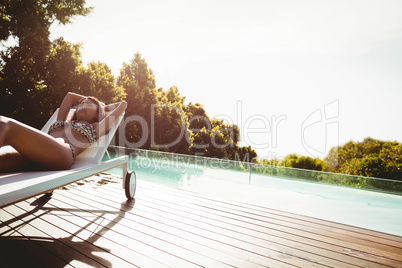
95, 153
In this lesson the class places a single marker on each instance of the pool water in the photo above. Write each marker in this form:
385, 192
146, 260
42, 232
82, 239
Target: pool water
372, 210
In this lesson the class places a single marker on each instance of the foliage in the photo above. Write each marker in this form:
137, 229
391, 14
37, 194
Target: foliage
370, 158
160, 120
304, 162
97, 80
138, 82
26, 66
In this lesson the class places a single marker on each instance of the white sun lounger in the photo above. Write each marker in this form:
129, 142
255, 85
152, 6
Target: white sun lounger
15, 187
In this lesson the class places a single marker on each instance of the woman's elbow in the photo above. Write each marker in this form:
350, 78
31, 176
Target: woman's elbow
124, 105
70, 94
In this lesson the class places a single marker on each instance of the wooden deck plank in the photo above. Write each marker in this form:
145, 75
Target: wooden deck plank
319, 223
23, 252
90, 234
73, 250
303, 220
117, 244
20, 251
158, 222
179, 208
81, 235
357, 249
261, 229
146, 229
117, 227
370, 235
41, 240
243, 234
104, 232
93, 225
283, 242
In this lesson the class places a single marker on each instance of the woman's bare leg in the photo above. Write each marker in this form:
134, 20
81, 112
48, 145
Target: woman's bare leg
34, 145
11, 161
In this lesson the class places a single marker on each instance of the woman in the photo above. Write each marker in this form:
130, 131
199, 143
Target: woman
68, 136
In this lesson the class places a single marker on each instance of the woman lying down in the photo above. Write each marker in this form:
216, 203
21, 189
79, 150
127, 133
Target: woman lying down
69, 136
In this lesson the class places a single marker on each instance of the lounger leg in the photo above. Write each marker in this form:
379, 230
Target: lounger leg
130, 185
129, 182
125, 171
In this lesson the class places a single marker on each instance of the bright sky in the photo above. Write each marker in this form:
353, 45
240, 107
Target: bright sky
296, 76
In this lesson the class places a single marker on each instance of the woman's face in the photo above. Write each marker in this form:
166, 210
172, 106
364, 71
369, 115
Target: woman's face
87, 111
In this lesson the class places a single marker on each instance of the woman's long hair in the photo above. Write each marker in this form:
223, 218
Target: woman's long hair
100, 109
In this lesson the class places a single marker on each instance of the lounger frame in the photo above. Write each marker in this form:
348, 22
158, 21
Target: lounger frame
15, 187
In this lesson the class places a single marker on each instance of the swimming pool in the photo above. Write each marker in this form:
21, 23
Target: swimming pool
234, 181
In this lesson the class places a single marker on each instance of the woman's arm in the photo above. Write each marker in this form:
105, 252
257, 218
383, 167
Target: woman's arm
104, 126
69, 100
111, 106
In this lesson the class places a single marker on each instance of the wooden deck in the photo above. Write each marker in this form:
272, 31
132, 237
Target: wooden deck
92, 225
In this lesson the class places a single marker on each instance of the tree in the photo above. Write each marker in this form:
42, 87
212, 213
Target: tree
98, 81
170, 129
28, 23
351, 167
138, 82
24, 63
371, 157
197, 117
245, 154
170, 125
201, 142
303, 162
62, 70
59, 75
372, 166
